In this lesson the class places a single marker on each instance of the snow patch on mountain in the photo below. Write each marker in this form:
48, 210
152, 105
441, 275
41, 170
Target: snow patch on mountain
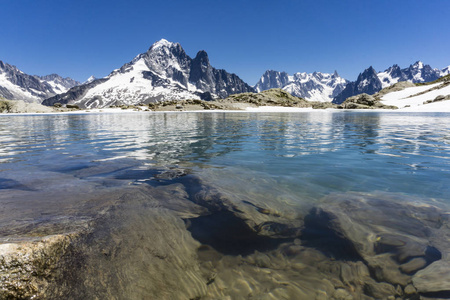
416, 96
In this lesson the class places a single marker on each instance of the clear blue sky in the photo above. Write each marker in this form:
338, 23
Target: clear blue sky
79, 38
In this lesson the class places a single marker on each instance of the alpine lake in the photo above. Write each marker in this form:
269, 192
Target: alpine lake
225, 205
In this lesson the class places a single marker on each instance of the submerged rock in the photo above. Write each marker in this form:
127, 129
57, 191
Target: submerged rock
28, 268
185, 239
434, 278
396, 239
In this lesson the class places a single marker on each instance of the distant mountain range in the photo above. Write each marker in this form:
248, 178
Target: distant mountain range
16, 85
371, 82
315, 86
331, 87
166, 72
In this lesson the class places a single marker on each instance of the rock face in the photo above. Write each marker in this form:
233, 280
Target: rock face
16, 85
314, 87
367, 82
164, 72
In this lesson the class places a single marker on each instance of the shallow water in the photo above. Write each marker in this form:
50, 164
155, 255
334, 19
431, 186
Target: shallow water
52, 166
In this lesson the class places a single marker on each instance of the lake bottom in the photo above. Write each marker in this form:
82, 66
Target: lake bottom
172, 234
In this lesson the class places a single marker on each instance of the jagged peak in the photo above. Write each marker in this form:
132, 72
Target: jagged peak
369, 70
202, 55
267, 72
418, 64
163, 43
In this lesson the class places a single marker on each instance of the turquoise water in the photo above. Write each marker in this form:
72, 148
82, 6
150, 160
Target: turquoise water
244, 221
309, 153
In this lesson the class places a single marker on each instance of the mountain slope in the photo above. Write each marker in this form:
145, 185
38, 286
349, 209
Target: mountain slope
16, 85
164, 72
424, 97
316, 86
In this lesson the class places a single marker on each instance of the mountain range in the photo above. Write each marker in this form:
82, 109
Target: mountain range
166, 72
316, 86
331, 87
371, 82
16, 85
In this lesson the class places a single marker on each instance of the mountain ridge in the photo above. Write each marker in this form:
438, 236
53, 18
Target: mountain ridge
17, 85
314, 86
370, 84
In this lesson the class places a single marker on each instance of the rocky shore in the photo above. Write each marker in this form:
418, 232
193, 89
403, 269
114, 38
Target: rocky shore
177, 237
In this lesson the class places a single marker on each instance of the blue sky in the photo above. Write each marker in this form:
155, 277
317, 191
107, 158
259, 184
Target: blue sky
82, 38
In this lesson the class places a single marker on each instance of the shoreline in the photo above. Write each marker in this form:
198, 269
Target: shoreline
260, 109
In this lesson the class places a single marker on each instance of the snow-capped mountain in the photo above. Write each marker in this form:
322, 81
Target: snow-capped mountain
164, 72
418, 72
16, 85
316, 86
370, 82
367, 82
58, 83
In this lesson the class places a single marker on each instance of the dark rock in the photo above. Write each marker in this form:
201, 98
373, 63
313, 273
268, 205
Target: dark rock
380, 290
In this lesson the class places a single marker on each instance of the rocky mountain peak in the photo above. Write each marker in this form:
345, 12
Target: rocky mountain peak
418, 65
370, 71
161, 44
367, 82
202, 56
